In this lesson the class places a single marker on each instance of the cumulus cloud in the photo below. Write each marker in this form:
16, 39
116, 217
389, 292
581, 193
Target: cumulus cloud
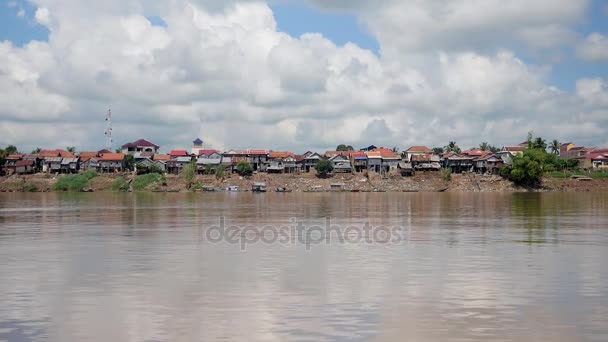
594, 48
222, 70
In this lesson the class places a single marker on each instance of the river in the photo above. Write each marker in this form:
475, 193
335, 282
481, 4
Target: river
304, 267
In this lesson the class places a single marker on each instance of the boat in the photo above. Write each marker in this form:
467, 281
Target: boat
232, 188
282, 189
258, 187
355, 190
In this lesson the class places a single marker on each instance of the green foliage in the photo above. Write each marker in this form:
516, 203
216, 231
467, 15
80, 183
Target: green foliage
437, 150
143, 169
119, 184
554, 146
10, 149
36, 150
243, 168
324, 167
446, 174
89, 174
528, 168
484, 146
75, 183
343, 147
29, 187
219, 171
452, 147
570, 173
189, 173
141, 182
130, 162
71, 149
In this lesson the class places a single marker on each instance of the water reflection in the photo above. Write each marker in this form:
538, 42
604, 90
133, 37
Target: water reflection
136, 267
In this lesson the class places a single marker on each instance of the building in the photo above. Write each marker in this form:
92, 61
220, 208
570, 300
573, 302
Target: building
489, 163
359, 160
197, 146
426, 162
69, 165
310, 160
341, 164
281, 162
208, 160
25, 167
112, 162
390, 159
406, 169
594, 161
178, 153
140, 145
416, 151
374, 161
175, 165
51, 164
458, 163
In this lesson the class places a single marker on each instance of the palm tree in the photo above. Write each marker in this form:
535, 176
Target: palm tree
452, 147
71, 149
484, 146
36, 150
540, 143
554, 146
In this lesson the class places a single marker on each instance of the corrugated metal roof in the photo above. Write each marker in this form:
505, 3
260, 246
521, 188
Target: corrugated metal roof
53, 159
183, 159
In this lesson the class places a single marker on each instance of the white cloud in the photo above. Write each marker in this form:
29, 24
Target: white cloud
594, 48
21, 13
42, 16
222, 71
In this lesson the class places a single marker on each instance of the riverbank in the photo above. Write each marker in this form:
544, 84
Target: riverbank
421, 182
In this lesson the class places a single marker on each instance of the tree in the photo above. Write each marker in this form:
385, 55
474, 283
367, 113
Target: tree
451, 147
130, 162
554, 147
539, 143
189, 173
71, 149
484, 146
324, 167
437, 150
36, 150
343, 147
10, 149
494, 149
244, 169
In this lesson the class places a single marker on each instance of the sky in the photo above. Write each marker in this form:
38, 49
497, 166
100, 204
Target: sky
303, 75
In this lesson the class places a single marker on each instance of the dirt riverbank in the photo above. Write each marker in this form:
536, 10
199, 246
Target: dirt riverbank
421, 182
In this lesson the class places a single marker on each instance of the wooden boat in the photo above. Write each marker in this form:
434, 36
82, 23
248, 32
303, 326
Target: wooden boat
232, 188
258, 187
282, 189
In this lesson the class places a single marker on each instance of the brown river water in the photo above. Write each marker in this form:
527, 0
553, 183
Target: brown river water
304, 267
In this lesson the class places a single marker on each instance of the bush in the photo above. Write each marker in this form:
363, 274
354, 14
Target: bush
89, 174
324, 167
219, 171
29, 187
74, 182
243, 168
119, 184
446, 174
189, 172
141, 182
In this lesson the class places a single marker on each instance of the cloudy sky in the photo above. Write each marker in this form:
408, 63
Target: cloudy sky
302, 75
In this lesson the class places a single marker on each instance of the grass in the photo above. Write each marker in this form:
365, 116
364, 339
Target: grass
29, 187
568, 174
141, 182
119, 184
74, 183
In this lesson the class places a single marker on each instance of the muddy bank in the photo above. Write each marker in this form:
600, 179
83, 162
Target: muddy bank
423, 182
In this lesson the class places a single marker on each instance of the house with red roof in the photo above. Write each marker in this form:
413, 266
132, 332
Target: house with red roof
112, 162
596, 160
417, 151
281, 162
139, 145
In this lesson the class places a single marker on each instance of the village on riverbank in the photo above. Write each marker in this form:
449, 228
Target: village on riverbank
139, 166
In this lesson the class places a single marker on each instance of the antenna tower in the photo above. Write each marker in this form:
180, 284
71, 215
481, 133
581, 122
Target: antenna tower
108, 131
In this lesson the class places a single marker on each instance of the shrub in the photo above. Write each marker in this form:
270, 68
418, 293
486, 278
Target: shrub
219, 171
189, 172
119, 184
446, 174
141, 182
324, 167
29, 187
74, 182
243, 168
